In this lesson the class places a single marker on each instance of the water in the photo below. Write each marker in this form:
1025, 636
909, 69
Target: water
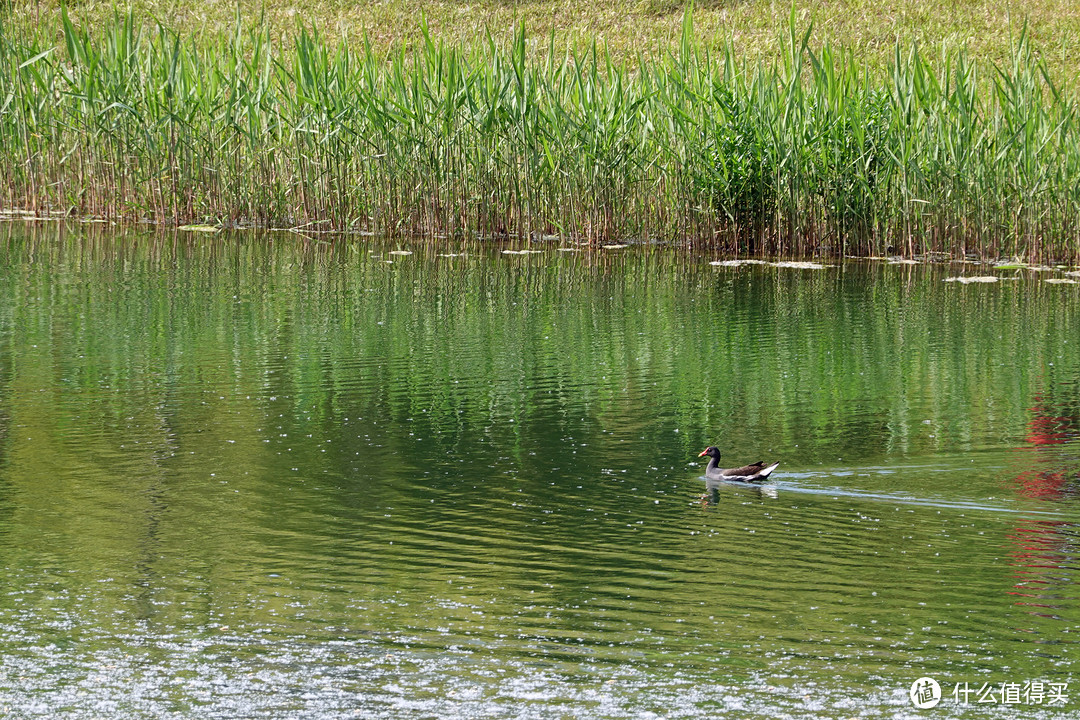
267, 477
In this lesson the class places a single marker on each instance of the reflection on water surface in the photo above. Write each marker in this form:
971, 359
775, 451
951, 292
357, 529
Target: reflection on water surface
259, 476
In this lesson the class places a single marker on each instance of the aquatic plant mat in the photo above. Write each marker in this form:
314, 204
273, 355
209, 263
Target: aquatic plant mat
808, 155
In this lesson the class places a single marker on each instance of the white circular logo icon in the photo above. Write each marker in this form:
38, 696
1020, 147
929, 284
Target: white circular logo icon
925, 693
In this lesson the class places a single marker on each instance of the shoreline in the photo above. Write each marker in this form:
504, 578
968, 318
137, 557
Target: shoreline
805, 156
523, 246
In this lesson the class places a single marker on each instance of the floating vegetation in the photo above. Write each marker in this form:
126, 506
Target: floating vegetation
1024, 266
797, 265
200, 228
400, 252
800, 265
1062, 281
808, 155
974, 279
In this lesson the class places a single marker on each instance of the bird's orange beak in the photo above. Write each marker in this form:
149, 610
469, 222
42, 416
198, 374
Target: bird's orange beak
702, 453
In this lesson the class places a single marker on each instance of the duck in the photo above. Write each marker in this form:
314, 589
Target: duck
755, 472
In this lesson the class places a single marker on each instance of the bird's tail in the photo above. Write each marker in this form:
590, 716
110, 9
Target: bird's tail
765, 472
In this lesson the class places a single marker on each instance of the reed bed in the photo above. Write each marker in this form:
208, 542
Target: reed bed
811, 155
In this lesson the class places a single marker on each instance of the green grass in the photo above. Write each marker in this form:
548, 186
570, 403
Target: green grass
813, 152
988, 29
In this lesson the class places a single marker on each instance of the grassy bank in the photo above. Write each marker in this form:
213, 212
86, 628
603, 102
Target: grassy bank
629, 28
810, 153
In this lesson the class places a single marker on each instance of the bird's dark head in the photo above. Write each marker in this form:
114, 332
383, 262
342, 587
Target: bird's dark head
711, 452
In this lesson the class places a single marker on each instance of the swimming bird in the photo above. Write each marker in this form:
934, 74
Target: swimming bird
755, 472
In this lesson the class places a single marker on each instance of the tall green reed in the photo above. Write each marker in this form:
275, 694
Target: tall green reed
808, 155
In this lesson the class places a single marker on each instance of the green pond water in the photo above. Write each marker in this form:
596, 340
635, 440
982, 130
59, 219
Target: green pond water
263, 476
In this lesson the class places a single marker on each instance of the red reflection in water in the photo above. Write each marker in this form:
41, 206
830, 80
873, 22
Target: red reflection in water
1041, 549
1046, 429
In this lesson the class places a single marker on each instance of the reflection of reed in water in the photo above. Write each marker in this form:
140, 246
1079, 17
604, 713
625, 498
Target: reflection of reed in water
824, 363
